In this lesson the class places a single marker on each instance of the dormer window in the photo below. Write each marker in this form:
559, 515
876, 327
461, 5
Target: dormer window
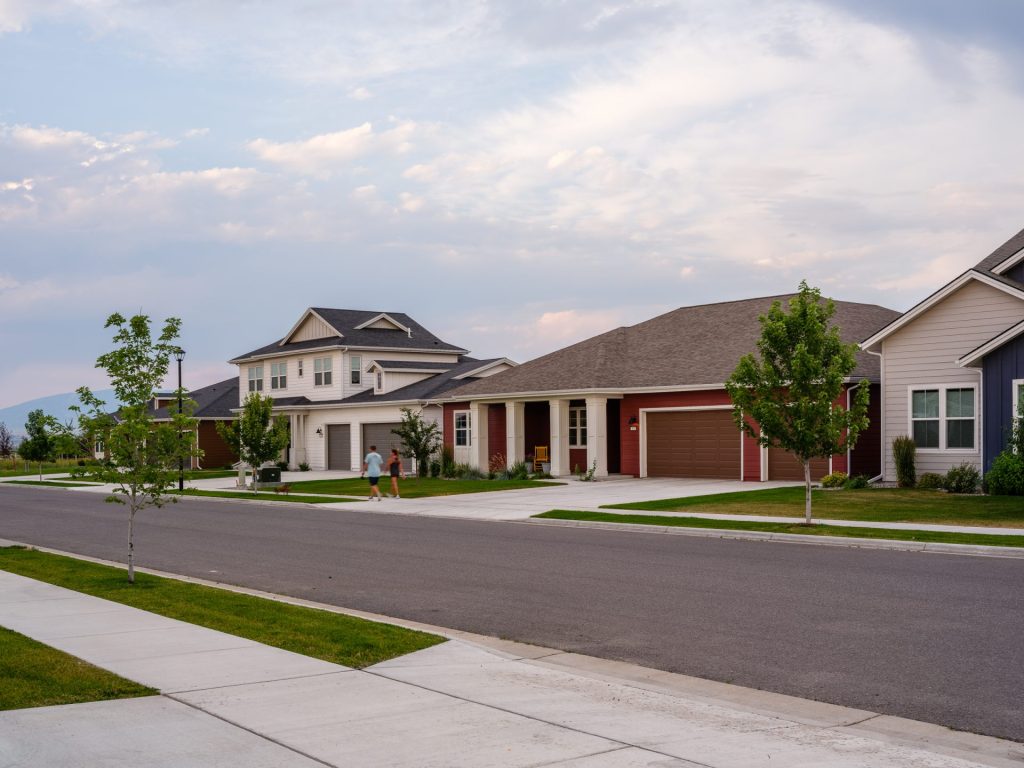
380, 381
300, 369
356, 369
322, 372
278, 375
256, 378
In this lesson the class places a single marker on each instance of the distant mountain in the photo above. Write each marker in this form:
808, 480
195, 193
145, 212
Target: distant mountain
15, 416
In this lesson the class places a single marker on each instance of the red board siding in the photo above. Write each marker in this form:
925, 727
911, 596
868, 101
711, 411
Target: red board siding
496, 432
578, 458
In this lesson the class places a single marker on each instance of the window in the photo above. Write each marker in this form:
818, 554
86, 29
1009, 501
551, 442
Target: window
256, 378
577, 427
462, 428
322, 372
278, 375
1018, 397
356, 369
300, 369
944, 418
380, 381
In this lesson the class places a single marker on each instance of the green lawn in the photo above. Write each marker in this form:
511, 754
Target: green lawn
878, 505
36, 675
16, 468
323, 635
266, 496
811, 530
208, 474
49, 483
414, 488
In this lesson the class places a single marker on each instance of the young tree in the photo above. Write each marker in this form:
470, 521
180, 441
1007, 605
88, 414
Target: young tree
143, 454
420, 439
41, 443
791, 391
257, 436
6, 442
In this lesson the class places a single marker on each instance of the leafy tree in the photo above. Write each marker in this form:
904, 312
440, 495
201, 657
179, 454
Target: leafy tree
257, 436
791, 390
143, 454
6, 441
41, 443
420, 439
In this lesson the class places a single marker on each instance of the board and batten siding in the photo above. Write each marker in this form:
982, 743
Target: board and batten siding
313, 328
925, 352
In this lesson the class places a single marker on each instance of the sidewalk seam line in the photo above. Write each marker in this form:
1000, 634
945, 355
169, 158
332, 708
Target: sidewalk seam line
258, 682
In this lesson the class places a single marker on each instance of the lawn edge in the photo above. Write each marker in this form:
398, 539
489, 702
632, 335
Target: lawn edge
852, 542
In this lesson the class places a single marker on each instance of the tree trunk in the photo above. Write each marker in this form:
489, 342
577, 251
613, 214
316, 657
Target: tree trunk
131, 544
40, 471
807, 494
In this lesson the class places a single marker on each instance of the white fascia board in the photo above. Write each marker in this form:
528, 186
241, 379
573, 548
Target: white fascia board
1009, 263
975, 355
934, 299
390, 319
344, 348
435, 351
487, 367
288, 353
309, 311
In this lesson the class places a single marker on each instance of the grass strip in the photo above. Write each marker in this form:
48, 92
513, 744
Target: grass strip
265, 496
944, 537
35, 675
332, 637
49, 483
414, 488
877, 505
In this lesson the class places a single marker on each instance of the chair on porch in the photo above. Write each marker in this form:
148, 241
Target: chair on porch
540, 456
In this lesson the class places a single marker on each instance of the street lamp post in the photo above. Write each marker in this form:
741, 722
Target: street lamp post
179, 355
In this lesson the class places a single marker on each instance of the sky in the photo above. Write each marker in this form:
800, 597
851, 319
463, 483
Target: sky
515, 175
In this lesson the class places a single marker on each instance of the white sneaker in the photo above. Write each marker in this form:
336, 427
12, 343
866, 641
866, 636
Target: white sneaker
370, 499
397, 496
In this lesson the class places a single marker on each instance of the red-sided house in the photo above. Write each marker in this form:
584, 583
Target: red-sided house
648, 400
213, 403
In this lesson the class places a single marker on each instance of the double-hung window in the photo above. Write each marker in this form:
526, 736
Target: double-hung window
944, 418
278, 375
322, 371
256, 378
356, 369
1018, 398
462, 428
578, 427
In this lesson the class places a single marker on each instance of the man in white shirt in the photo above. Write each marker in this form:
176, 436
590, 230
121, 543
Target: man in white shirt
371, 469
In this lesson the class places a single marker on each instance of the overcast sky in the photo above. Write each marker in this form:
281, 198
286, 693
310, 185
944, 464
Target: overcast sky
515, 175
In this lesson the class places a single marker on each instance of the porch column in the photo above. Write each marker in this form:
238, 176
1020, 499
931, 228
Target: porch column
293, 436
355, 442
515, 431
558, 419
300, 441
478, 443
597, 435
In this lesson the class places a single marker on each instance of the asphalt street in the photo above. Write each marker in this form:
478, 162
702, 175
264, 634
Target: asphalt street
931, 637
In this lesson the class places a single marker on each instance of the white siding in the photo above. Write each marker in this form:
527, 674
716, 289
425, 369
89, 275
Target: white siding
356, 417
925, 352
369, 356
313, 328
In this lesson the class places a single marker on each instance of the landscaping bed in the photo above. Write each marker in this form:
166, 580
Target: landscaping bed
333, 637
413, 488
889, 505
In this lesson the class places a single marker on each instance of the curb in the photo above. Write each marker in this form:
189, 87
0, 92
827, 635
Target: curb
851, 542
938, 739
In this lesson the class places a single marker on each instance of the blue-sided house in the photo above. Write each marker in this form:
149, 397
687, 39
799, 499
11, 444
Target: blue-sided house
1001, 361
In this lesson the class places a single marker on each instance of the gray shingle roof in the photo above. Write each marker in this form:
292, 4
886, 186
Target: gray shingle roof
1001, 254
415, 365
690, 346
345, 321
213, 401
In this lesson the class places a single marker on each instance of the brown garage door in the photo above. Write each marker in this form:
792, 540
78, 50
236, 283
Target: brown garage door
339, 446
693, 444
783, 465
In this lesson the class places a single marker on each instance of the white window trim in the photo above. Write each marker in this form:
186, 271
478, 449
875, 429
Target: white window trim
972, 385
579, 428
1015, 398
455, 428
326, 367
282, 369
643, 430
378, 385
255, 378
355, 370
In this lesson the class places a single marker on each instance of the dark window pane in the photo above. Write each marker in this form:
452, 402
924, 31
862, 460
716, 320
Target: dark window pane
960, 433
926, 434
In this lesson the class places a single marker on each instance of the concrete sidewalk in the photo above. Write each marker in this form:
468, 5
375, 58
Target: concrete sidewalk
232, 702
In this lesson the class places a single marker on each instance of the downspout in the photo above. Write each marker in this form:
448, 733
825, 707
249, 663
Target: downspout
881, 390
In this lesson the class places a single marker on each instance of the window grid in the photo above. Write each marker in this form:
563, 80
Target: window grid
256, 378
462, 429
278, 375
578, 427
356, 369
322, 372
944, 417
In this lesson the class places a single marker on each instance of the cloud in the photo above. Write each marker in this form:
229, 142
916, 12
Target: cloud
321, 154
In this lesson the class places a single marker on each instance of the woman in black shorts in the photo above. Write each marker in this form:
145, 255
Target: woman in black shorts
395, 469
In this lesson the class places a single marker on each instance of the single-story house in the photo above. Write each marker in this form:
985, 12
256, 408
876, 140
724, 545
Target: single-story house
649, 400
953, 366
342, 377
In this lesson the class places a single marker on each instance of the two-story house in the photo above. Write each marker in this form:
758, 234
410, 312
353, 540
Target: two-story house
342, 377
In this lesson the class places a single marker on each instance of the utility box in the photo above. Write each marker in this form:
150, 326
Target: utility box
270, 475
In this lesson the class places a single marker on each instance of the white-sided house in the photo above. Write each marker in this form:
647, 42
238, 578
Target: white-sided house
342, 376
933, 389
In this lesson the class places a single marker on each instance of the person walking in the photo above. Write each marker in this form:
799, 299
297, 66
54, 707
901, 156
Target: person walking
372, 463
394, 466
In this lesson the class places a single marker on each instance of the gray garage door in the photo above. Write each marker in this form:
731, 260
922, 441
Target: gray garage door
339, 446
382, 436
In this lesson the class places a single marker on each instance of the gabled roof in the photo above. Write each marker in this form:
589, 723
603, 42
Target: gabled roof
410, 366
1005, 256
388, 319
298, 324
688, 348
214, 401
352, 332
973, 358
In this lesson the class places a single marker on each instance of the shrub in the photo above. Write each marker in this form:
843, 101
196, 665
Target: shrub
81, 462
963, 479
447, 461
835, 480
517, 471
497, 464
904, 453
282, 465
1006, 478
467, 472
856, 483
931, 481
303, 467
435, 468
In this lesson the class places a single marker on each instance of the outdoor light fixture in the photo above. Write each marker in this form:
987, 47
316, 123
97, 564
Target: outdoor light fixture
632, 423
179, 355
319, 431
